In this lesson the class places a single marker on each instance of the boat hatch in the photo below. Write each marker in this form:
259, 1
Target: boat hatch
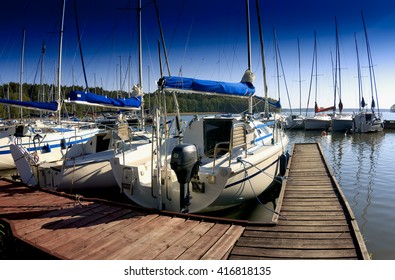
217, 131
103, 143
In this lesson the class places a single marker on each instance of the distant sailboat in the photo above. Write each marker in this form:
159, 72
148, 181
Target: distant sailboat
318, 121
364, 121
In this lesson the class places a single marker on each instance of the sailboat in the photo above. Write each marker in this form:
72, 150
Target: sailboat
318, 121
45, 141
341, 122
86, 165
365, 121
216, 162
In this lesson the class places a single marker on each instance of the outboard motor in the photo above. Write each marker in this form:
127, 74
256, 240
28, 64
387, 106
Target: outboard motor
184, 161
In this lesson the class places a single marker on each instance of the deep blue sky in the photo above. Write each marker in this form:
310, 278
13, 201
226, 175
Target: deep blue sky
205, 39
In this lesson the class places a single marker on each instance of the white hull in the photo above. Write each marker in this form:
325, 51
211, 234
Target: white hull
86, 166
218, 186
364, 122
48, 147
294, 122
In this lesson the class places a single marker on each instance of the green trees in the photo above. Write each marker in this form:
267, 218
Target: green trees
188, 103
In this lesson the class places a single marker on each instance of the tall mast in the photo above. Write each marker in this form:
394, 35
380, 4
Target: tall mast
21, 71
300, 81
248, 49
141, 67
60, 60
360, 92
371, 70
262, 57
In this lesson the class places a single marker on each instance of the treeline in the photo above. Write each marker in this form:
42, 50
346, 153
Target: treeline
194, 103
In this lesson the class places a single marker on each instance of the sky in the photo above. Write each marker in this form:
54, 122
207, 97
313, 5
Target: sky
204, 40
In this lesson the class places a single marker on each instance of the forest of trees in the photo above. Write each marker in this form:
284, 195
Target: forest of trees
193, 103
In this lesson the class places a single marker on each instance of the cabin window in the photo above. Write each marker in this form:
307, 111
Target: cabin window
216, 131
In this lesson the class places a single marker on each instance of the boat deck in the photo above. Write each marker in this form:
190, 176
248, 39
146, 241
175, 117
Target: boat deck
315, 221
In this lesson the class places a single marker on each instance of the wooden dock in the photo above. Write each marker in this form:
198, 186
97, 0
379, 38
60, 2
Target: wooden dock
314, 222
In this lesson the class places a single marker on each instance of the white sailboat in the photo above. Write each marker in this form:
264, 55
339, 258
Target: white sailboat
215, 163
365, 121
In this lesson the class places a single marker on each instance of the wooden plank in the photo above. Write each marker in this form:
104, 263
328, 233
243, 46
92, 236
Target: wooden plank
100, 245
176, 249
162, 245
334, 236
284, 243
224, 244
268, 253
101, 237
199, 248
154, 234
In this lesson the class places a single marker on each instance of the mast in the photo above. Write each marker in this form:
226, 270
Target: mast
21, 70
312, 71
60, 60
373, 86
141, 67
162, 37
248, 49
338, 72
361, 100
262, 57
80, 46
300, 81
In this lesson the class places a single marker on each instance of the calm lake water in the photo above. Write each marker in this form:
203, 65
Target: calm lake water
362, 164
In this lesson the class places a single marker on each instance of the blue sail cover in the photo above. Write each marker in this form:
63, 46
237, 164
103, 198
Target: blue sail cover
43, 106
207, 86
87, 98
276, 104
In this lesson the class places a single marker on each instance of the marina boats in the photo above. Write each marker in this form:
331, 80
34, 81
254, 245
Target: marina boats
365, 121
45, 140
83, 165
216, 162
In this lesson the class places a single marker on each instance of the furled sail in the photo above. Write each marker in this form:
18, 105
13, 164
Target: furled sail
275, 104
183, 84
42, 106
88, 98
322, 109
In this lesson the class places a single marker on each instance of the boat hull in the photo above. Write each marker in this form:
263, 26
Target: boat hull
317, 123
365, 122
342, 123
